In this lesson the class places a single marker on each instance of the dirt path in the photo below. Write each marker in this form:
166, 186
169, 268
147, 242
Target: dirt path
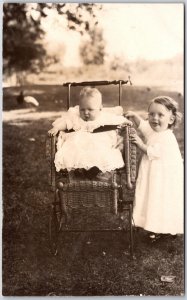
21, 116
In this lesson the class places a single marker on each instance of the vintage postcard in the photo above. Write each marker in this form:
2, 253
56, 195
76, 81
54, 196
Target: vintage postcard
93, 149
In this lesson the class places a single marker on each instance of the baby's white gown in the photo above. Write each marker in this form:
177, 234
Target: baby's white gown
85, 149
159, 197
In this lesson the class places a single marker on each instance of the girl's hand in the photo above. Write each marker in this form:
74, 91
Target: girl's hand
136, 140
130, 114
125, 123
53, 131
135, 118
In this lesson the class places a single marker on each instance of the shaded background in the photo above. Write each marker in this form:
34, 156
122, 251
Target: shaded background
53, 43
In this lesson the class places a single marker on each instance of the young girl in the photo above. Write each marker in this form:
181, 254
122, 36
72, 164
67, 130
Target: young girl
159, 197
83, 149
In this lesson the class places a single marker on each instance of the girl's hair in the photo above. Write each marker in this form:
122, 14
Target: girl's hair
171, 105
89, 91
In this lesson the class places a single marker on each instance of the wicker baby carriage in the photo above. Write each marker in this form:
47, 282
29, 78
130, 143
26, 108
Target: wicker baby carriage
93, 205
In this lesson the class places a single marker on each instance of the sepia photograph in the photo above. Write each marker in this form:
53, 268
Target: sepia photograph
93, 149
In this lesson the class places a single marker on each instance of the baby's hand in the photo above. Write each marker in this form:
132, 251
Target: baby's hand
53, 131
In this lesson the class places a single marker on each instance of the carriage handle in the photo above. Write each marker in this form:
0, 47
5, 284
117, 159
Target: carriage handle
95, 83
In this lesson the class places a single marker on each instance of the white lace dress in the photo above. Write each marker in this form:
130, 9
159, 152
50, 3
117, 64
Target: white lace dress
159, 197
85, 149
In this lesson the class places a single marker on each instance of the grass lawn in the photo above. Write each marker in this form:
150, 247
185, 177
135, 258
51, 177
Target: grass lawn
87, 263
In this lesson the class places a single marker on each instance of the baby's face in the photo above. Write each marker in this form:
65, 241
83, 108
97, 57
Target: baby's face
90, 108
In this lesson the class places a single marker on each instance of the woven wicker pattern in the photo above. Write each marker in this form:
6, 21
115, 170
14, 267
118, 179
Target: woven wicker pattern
85, 195
133, 155
50, 155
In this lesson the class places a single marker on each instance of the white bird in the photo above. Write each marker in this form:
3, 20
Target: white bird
21, 99
31, 100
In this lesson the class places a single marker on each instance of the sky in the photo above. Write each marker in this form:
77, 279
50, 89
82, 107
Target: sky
135, 31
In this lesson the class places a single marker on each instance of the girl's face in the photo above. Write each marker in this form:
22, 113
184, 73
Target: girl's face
89, 108
160, 117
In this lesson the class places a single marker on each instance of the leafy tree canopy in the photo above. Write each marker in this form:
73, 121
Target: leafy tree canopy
22, 32
92, 51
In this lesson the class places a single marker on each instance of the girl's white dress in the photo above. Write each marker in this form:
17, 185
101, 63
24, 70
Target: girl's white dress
85, 149
159, 196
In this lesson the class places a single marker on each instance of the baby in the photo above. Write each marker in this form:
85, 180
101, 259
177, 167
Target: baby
81, 148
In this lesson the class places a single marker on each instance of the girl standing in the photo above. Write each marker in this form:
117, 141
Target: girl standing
159, 206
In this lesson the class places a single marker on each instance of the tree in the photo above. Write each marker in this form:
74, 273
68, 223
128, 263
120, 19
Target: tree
92, 50
119, 63
81, 16
22, 33
22, 49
